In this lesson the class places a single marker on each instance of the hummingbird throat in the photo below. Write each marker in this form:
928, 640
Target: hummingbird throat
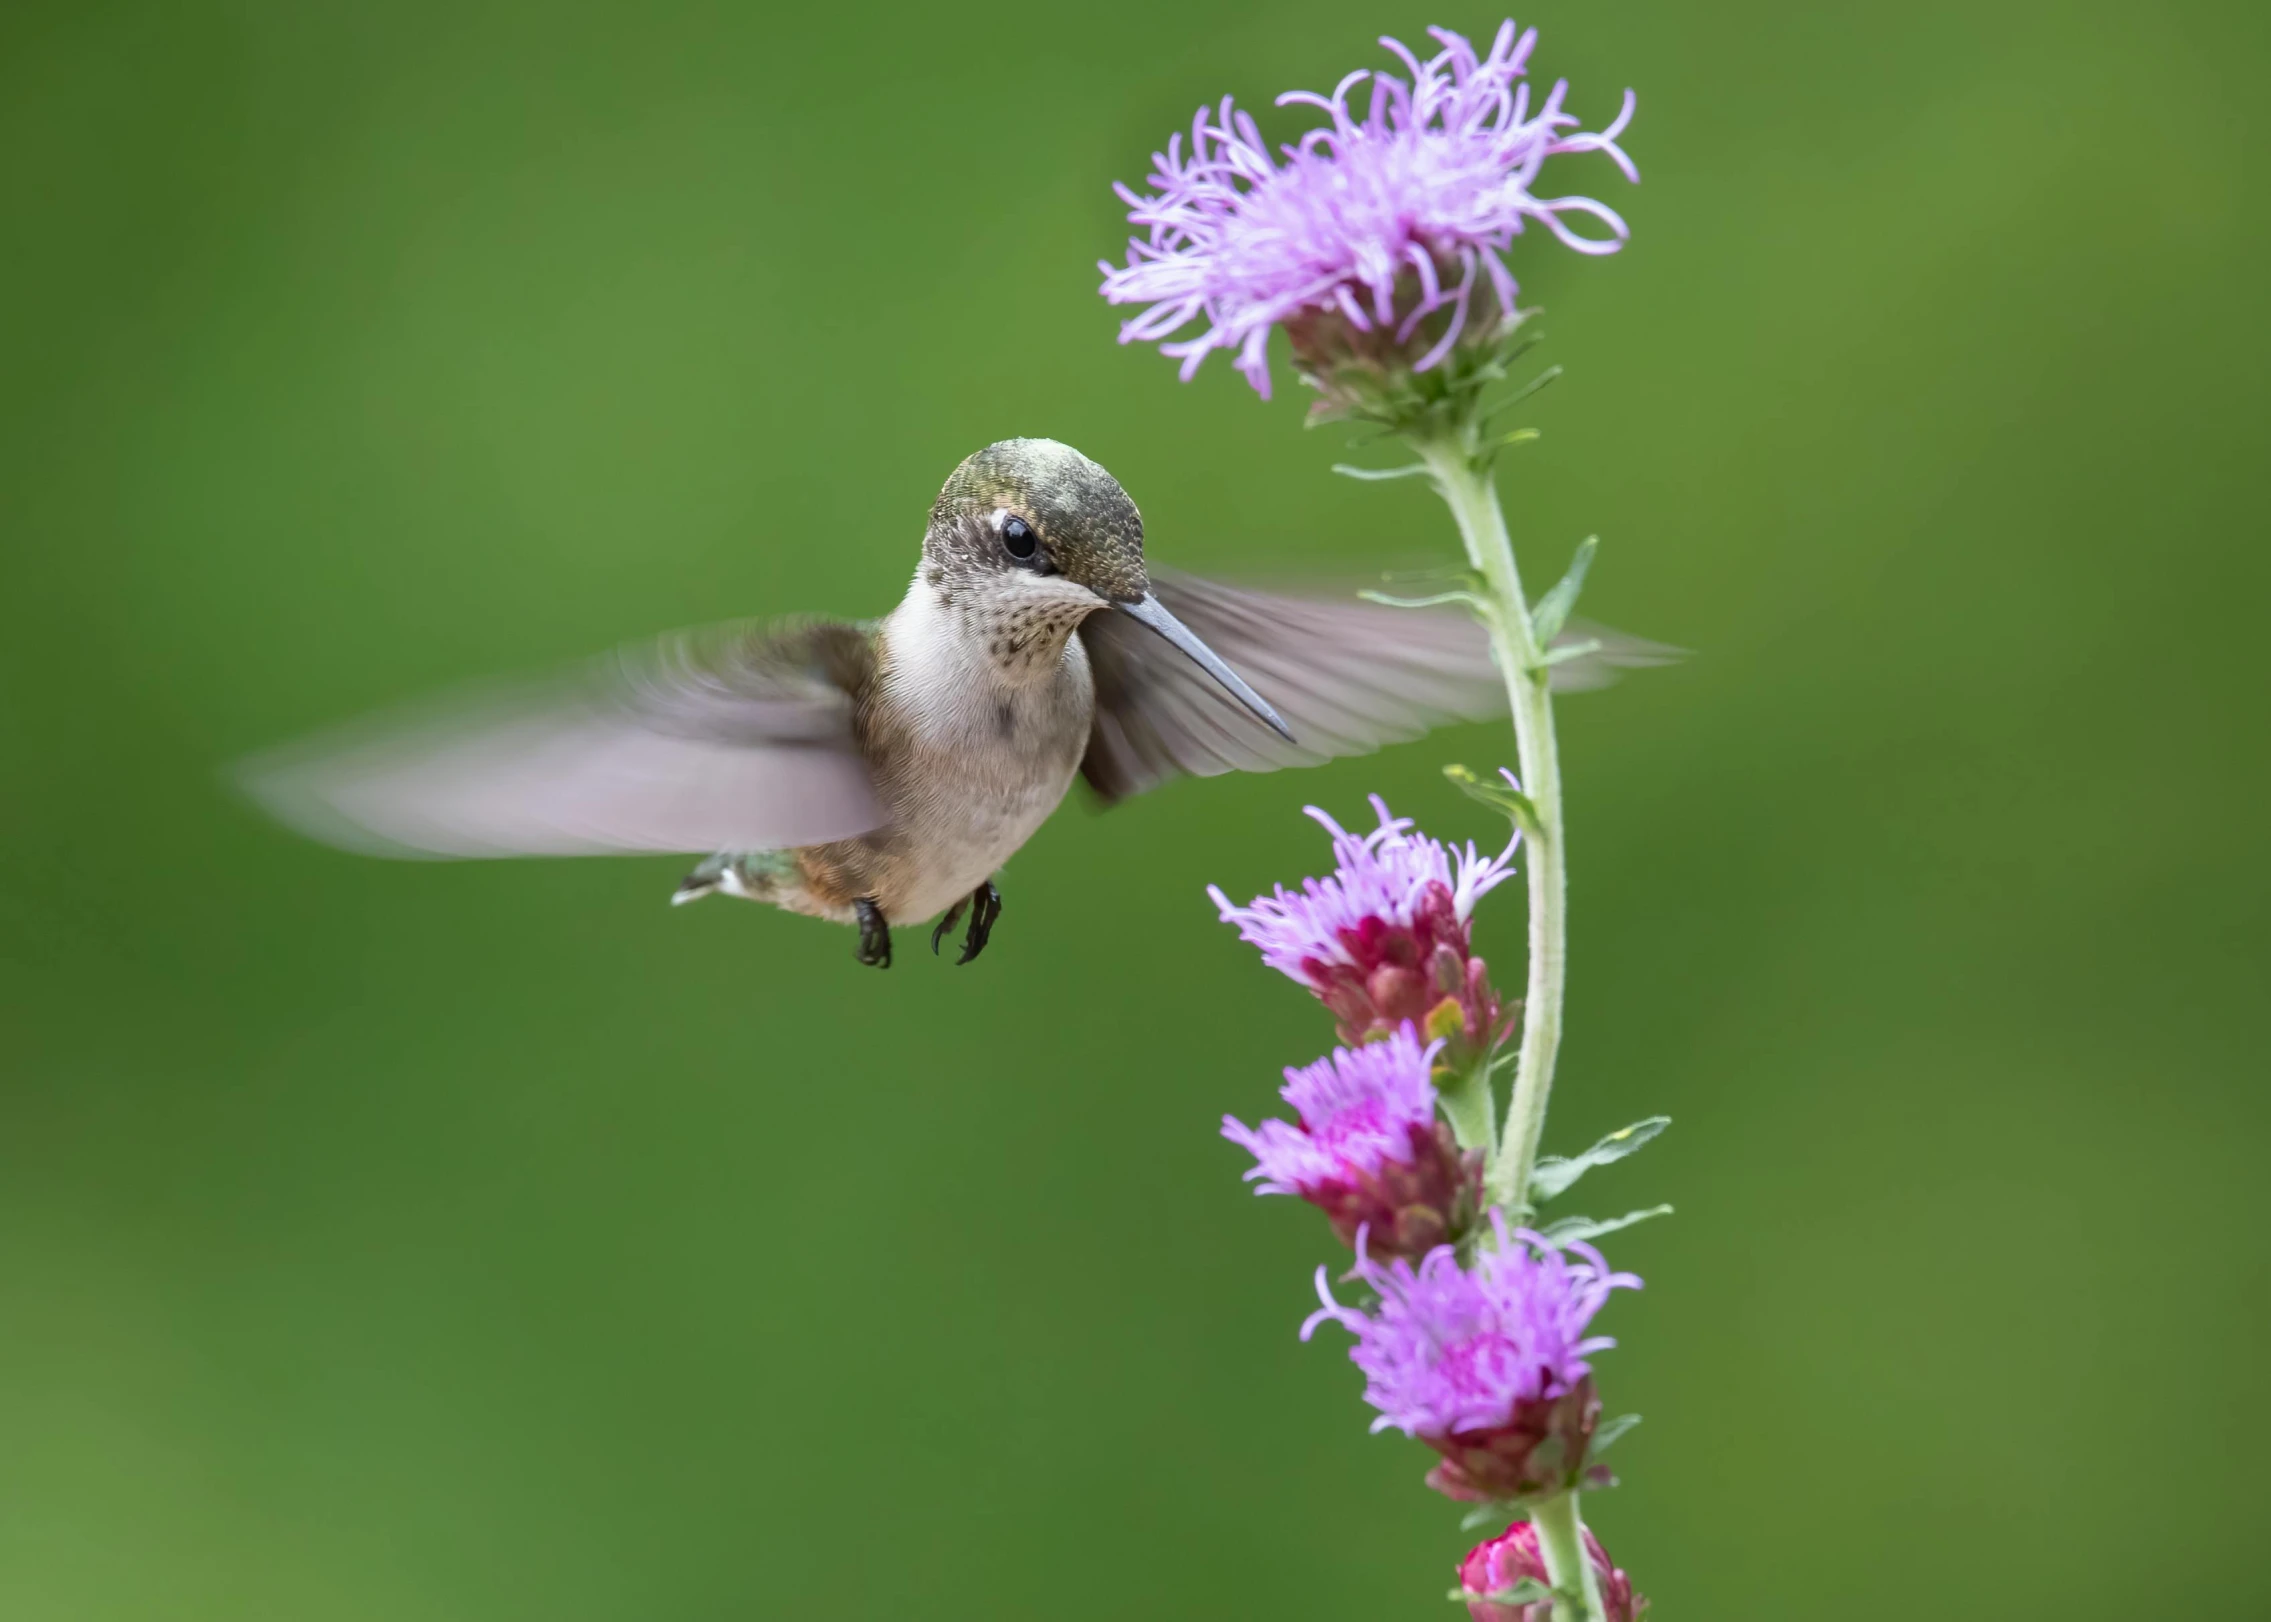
1014, 629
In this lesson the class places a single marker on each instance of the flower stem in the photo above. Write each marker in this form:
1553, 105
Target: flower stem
1561, 1539
1465, 482
1464, 479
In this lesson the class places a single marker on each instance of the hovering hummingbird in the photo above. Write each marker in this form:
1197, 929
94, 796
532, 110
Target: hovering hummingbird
880, 773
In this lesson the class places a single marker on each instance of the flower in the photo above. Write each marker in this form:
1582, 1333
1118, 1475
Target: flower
1488, 1367
1369, 1151
1497, 1564
1382, 221
1386, 939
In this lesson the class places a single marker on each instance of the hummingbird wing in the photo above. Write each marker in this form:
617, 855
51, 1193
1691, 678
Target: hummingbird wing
1346, 675
732, 737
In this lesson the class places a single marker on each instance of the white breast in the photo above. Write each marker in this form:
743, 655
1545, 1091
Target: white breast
993, 741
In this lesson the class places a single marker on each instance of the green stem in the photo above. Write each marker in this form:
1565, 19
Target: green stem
1561, 1540
1506, 614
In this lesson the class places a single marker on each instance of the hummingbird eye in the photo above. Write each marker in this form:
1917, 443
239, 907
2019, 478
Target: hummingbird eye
1018, 539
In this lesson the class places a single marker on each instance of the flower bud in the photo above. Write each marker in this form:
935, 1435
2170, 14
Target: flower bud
1538, 1447
1369, 1150
1387, 940
1498, 1564
1368, 364
1489, 1365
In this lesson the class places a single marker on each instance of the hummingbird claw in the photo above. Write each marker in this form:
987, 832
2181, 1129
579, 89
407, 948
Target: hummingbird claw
875, 933
985, 907
952, 915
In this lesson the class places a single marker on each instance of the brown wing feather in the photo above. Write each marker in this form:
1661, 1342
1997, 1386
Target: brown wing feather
727, 738
1348, 676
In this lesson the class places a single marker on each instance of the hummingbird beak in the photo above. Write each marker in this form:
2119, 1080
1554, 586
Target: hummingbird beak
1148, 612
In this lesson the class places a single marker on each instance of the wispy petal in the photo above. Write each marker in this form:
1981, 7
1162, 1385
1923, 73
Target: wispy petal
1437, 167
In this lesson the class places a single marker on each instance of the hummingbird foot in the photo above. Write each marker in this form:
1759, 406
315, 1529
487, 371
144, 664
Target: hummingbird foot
945, 923
875, 934
985, 907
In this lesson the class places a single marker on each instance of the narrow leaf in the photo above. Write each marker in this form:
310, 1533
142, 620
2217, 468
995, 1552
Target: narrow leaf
1504, 361
1529, 1591
1554, 1174
1577, 1230
1611, 1429
1552, 612
1441, 571
1526, 390
1436, 601
1375, 474
1500, 1513
1500, 797
1571, 650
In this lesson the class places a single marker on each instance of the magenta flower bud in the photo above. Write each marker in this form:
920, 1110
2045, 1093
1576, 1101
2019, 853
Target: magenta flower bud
1387, 939
1489, 1366
1369, 1150
1373, 240
1495, 1566
1539, 1447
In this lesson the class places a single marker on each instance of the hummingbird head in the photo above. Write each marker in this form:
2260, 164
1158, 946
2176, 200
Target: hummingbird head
1036, 521
1029, 538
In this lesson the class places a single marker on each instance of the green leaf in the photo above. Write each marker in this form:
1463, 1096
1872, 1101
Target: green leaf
1440, 571
1570, 650
1573, 1230
1552, 612
1554, 1174
1502, 364
1436, 601
1610, 1430
1500, 797
1374, 474
1500, 1513
1529, 1591
1526, 390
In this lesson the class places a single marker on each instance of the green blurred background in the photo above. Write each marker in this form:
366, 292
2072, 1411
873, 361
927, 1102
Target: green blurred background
478, 1242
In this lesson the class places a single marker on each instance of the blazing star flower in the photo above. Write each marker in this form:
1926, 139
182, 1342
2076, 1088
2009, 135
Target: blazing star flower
1369, 1151
1386, 939
1378, 221
1496, 1565
1488, 1367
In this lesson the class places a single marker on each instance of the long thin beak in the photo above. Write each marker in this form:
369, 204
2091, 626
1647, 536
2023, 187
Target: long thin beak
1149, 612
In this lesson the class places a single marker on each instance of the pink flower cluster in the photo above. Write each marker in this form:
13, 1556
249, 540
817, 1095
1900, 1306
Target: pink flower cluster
1383, 216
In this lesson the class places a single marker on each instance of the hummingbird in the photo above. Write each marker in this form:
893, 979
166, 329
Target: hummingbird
880, 773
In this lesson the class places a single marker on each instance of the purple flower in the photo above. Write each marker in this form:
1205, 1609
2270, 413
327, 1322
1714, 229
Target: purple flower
1386, 938
1497, 1564
1488, 1367
1423, 191
1369, 1151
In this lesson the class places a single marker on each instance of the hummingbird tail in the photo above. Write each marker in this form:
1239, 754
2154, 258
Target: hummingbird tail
753, 875
710, 875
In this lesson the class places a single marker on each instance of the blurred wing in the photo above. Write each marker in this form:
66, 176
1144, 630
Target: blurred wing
1347, 676
1606, 655
731, 738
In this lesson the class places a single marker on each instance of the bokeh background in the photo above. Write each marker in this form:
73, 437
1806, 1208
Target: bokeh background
399, 1242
